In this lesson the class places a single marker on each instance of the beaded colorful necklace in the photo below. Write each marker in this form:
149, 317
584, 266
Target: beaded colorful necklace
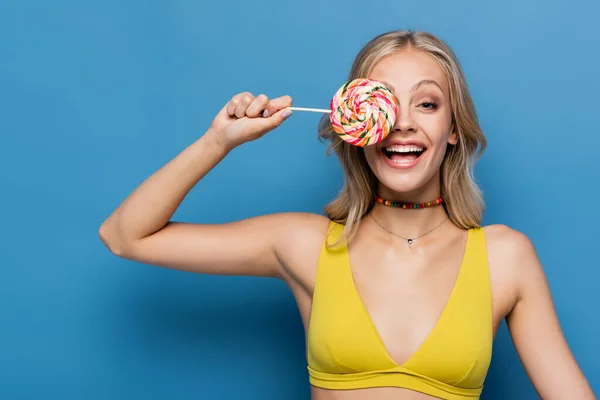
408, 205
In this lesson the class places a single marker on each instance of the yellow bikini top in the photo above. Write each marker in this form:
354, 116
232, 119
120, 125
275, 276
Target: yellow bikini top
345, 351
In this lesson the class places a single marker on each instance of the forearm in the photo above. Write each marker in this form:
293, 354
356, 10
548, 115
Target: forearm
150, 207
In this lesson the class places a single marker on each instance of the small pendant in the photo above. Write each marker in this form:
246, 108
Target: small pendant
410, 243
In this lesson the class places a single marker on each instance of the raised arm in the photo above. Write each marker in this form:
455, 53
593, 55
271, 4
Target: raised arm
140, 228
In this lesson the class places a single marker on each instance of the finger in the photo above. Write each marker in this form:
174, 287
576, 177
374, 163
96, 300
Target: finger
232, 104
240, 109
275, 120
277, 104
257, 106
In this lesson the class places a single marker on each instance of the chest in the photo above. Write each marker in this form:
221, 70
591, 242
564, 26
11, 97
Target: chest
405, 292
380, 309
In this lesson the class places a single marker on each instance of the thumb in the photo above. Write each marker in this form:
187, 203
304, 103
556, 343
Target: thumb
277, 119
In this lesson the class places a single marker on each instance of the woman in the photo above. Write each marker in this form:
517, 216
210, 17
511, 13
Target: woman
397, 301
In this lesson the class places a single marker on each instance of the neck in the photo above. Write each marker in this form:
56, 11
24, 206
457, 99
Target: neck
409, 222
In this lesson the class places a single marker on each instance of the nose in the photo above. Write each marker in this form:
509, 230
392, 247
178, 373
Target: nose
404, 122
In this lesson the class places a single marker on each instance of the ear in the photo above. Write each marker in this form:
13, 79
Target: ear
453, 137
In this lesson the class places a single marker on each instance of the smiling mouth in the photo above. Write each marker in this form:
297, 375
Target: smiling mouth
403, 154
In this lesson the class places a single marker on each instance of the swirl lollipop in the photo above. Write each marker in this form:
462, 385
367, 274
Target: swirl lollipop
362, 112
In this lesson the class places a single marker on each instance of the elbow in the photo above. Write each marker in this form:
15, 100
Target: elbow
108, 239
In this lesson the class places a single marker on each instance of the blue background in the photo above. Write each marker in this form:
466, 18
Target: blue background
97, 95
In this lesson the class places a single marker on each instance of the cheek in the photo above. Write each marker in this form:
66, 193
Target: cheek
378, 167
434, 124
371, 157
436, 129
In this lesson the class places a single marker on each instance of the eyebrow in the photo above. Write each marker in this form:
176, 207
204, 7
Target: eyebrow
425, 82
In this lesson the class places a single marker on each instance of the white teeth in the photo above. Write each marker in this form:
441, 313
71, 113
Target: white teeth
403, 149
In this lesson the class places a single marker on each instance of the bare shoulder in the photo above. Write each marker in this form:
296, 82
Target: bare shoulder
303, 223
299, 243
513, 261
295, 229
510, 248
507, 242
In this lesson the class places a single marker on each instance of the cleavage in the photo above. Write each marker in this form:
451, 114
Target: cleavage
404, 294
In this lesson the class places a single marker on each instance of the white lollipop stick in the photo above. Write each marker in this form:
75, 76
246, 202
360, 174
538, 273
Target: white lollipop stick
319, 110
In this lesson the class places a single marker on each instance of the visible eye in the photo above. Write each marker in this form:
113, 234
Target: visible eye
429, 105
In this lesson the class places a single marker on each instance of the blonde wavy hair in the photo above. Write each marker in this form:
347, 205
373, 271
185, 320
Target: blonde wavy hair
463, 200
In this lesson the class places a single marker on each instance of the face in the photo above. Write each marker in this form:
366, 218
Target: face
409, 159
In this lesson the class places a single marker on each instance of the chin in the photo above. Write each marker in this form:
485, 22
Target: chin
396, 183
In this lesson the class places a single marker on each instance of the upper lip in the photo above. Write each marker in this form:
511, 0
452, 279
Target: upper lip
401, 142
